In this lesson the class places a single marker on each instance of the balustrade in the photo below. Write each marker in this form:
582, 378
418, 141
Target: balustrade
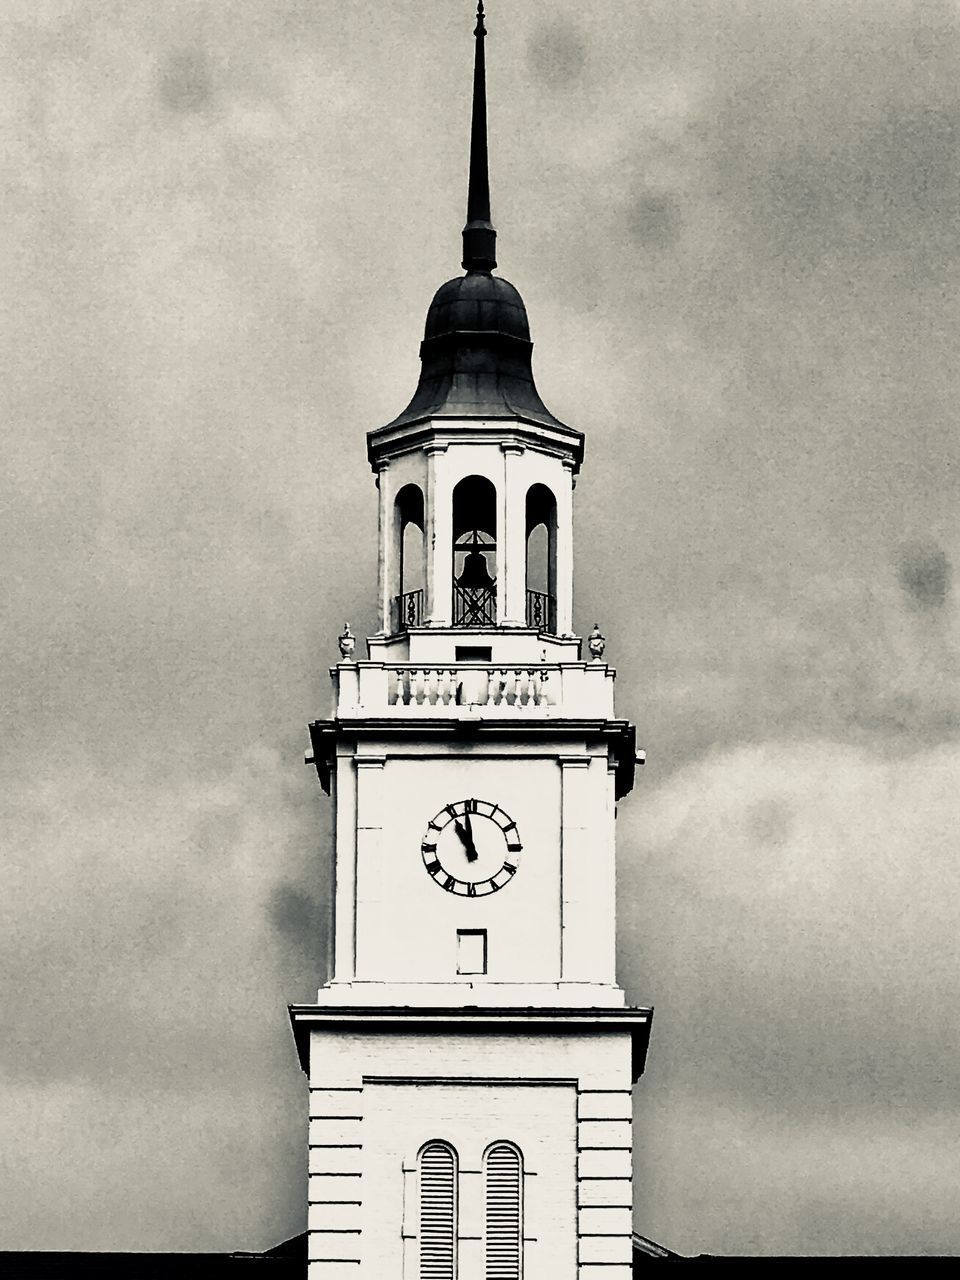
507, 686
474, 688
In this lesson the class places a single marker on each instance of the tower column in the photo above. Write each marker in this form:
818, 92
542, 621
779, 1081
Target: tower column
514, 541
438, 540
565, 554
384, 584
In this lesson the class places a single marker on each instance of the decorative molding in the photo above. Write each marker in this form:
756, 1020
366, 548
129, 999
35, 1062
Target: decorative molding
493, 1081
369, 762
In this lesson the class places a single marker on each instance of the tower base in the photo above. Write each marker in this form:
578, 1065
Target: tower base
553, 1084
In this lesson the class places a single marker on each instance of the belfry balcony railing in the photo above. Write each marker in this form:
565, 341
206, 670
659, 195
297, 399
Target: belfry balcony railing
473, 690
407, 610
542, 611
474, 606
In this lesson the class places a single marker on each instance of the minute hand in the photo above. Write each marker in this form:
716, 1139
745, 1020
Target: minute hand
466, 838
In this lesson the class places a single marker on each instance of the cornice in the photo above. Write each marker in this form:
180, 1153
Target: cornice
510, 1020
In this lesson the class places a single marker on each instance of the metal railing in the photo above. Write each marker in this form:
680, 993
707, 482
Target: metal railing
542, 611
474, 606
407, 610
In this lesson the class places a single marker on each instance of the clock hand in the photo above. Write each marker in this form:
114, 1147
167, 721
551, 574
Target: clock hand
472, 851
466, 839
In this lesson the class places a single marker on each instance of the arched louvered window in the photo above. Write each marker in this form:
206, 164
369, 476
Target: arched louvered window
503, 1212
437, 1168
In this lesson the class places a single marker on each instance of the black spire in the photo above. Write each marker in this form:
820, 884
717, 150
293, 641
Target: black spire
479, 237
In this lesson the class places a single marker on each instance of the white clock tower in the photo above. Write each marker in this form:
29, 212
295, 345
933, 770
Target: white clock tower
471, 1059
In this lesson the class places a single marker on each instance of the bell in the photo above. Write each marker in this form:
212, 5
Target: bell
475, 574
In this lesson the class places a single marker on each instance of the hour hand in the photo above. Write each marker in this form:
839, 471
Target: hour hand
466, 838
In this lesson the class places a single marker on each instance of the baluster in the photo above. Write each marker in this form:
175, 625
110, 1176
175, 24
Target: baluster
486, 691
500, 678
416, 686
433, 686
544, 699
526, 687
398, 696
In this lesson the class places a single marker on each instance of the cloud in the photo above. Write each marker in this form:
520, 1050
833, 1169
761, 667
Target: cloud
185, 82
152, 932
871, 1186
734, 228
157, 899
801, 973
925, 574
557, 53
214, 1170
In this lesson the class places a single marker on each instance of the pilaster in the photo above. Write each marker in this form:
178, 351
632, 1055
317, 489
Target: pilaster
369, 853
335, 1195
587, 872
604, 1184
345, 872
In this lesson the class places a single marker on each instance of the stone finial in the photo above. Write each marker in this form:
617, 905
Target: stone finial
596, 643
347, 642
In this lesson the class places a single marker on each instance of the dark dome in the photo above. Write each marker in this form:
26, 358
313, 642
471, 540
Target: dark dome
477, 303
475, 356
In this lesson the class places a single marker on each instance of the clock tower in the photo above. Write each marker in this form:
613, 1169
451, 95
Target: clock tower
471, 1059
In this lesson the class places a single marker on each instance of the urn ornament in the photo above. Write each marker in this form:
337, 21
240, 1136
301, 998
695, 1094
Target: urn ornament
347, 642
596, 643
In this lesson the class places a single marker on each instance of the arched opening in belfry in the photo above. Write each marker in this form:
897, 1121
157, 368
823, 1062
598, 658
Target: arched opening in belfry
541, 558
475, 553
408, 603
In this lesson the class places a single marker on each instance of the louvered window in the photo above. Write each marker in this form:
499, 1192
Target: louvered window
438, 1212
503, 1212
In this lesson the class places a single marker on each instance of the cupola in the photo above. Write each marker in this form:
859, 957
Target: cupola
476, 474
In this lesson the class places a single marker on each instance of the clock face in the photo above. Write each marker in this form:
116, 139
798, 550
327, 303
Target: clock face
471, 848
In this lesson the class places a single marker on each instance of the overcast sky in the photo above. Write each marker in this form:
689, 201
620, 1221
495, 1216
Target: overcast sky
735, 226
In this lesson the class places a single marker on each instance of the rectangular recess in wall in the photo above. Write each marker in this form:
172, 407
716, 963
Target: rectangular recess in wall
471, 951
474, 653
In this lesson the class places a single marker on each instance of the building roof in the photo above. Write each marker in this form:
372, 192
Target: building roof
284, 1262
